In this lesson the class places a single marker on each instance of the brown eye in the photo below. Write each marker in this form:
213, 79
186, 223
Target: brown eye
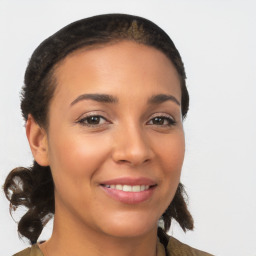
158, 120
162, 121
93, 121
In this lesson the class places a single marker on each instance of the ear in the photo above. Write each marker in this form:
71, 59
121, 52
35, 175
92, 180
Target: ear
37, 138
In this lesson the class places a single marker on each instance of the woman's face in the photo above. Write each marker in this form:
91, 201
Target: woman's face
115, 138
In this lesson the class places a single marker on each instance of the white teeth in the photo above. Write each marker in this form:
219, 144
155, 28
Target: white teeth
146, 187
129, 188
142, 187
119, 187
136, 188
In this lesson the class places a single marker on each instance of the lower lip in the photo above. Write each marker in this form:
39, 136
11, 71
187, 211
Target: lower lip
129, 197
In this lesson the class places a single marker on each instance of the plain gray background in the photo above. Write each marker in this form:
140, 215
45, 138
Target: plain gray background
217, 40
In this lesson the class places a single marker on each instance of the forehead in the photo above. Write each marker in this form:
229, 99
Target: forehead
112, 66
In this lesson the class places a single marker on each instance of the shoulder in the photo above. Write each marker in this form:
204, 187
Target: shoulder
31, 251
177, 248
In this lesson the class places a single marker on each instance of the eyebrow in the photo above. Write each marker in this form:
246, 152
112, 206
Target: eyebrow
160, 98
105, 98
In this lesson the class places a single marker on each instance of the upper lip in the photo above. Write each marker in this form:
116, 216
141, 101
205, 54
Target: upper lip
130, 181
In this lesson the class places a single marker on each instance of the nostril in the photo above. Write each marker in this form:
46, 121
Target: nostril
123, 161
133, 162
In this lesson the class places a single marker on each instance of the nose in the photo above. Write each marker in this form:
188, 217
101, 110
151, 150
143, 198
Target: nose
131, 146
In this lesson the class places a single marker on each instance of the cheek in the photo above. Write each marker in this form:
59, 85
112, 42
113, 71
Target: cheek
171, 156
75, 159
171, 152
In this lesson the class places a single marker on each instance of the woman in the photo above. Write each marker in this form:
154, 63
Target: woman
104, 100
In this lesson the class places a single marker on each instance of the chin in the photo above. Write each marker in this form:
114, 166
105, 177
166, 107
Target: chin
132, 228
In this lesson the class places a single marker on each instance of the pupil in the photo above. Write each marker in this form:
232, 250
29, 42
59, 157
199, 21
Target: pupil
94, 120
158, 120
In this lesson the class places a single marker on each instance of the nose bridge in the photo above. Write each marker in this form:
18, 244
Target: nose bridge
131, 144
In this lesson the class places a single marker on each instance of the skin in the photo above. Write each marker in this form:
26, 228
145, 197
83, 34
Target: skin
128, 141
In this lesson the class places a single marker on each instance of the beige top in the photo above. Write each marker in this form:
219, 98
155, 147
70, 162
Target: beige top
175, 248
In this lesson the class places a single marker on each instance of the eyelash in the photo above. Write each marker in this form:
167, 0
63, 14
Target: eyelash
170, 120
84, 121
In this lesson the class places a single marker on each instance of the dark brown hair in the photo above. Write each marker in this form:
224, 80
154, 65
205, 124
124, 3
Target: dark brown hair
33, 187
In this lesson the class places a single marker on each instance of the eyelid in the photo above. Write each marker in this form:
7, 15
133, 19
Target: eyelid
91, 113
160, 114
82, 118
168, 117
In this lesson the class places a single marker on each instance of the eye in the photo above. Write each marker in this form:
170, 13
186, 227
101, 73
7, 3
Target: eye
93, 120
162, 121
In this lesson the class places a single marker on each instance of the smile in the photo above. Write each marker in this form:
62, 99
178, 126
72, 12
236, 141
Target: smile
128, 188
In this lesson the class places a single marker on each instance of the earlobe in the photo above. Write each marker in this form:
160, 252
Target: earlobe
37, 138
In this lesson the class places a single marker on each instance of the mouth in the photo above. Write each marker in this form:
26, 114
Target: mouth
129, 190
